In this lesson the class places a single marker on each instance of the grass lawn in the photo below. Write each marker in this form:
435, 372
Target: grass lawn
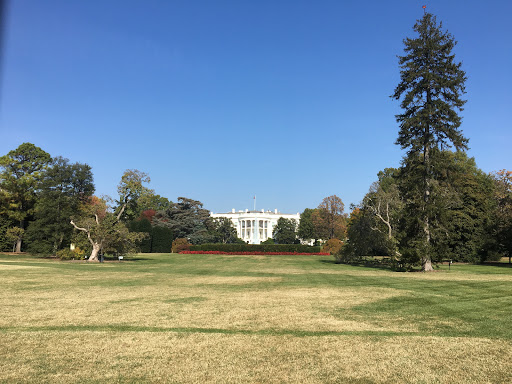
265, 319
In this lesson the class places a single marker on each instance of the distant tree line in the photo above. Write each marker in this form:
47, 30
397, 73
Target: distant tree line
48, 206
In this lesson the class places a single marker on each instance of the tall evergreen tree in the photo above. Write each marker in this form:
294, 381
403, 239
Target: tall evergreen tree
430, 90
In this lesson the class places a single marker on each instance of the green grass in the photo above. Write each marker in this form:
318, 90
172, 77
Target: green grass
216, 318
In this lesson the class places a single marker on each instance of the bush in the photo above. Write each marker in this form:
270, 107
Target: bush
68, 254
267, 248
333, 246
180, 245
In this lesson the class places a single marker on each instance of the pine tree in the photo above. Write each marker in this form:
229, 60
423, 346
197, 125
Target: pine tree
430, 90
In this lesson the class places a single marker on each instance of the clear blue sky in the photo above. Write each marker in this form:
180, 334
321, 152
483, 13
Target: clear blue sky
219, 101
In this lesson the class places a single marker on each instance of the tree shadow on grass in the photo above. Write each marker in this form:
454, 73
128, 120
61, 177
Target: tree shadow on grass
126, 259
497, 264
383, 264
325, 261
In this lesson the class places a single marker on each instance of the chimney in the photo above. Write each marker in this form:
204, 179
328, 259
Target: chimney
233, 210
275, 211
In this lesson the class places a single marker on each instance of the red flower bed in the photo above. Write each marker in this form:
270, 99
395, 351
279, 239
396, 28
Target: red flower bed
252, 253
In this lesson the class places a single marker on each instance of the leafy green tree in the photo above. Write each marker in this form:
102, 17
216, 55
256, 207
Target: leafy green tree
64, 187
430, 90
306, 230
14, 235
384, 203
460, 209
502, 228
285, 232
133, 195
20, 176
151, 201
103, 227
223, 231
463, 220
5, 222
104, 230
186, 219
363, 240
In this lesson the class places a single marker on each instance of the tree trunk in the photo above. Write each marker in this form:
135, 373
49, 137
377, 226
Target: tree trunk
426, 262
427, 265
18, 245
95, 251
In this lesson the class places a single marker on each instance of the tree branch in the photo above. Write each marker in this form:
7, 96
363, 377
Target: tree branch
80, 229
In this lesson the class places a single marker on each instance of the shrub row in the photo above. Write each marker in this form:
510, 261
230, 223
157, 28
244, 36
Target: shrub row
252, 253
159, 239
239, 248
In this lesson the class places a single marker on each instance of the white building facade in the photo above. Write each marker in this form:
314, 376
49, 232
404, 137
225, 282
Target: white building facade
255, 226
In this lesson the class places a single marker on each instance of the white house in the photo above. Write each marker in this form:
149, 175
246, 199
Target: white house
255, 226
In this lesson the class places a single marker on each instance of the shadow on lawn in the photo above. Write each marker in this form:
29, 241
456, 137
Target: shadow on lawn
384, 263
497, 264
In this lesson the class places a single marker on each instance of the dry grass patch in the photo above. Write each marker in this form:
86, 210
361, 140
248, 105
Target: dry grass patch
65, 357
7, 267
224, 280
203, 318
179, 306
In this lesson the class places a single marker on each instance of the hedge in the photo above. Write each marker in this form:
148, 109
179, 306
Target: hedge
238, 248
159, 239
253, 253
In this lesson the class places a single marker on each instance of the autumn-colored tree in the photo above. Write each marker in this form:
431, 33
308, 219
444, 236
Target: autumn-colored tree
329, 219
333, 246
147, 214
180, 244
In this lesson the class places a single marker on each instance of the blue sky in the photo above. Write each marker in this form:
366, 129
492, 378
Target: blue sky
223, 100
